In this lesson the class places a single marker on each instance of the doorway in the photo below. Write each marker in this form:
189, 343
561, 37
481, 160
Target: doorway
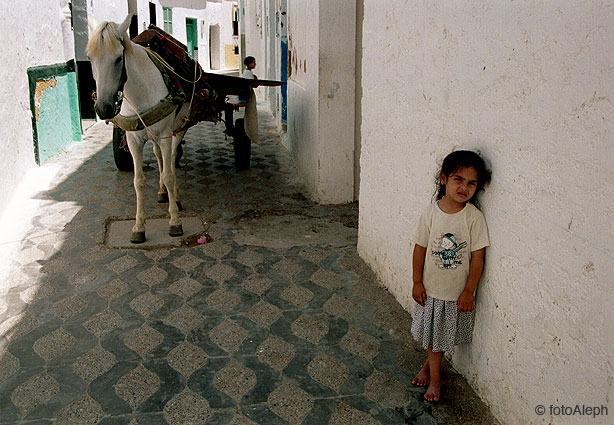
192, 37
214, 46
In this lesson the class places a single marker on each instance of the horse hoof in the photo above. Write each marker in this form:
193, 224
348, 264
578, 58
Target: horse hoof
137, 237
162, 197
179, 207
176, 230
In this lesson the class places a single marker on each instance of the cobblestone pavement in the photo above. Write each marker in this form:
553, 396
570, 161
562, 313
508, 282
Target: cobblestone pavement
276, 321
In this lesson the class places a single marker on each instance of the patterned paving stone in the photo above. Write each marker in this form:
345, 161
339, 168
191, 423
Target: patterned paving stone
239, 419
340, 307
360, 344
114, 289
328, 371
143, 339
185, 287
386, 391
326, 278
185, 408
103, 322
34, 392
297, 295
185, 318
53, 344
36, 293
18, 325
122, 264
287, 268
276, 352
83, 277
257, 283
216, 249
83, 411
228, 335
94, 363
152, 276
250, 258
69, 307
264, 314
8, 364
223, 300
309, 327
186, 358
235, 380
347, 415
137, 386
291, 403
187, 262
146, 304
220, 272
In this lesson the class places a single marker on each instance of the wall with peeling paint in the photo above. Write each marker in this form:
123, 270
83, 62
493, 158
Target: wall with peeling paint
530, 85
30, 45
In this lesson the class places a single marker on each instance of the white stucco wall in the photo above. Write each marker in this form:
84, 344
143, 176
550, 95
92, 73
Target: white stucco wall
215, 13
530, 85
321, 95
31, 45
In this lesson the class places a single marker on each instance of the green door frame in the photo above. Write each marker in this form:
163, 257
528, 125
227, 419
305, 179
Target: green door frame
192, 36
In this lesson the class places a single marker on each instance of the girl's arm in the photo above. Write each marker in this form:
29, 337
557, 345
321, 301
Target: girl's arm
476, 266
418, 291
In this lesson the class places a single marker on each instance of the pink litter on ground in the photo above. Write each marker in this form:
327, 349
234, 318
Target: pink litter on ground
202, 239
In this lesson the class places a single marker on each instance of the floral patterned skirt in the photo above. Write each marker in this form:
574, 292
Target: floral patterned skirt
440, 325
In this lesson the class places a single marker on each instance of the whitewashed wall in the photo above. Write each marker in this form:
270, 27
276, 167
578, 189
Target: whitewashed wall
31, 45
321, 95
213, 14
530, 85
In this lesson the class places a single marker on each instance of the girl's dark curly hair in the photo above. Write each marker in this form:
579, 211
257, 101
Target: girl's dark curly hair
462, 159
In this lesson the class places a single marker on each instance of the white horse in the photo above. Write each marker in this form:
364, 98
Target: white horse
123, 69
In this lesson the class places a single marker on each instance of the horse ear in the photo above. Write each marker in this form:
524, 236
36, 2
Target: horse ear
125, 25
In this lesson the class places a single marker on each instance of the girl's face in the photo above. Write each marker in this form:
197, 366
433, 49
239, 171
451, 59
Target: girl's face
461, 184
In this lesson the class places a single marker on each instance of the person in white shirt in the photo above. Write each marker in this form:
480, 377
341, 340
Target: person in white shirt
250, 64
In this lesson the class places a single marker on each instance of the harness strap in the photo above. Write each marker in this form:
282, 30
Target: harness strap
147, 118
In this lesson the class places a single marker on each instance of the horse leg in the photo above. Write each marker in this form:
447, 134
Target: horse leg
136, 150
162, 194
168, 175
176, 142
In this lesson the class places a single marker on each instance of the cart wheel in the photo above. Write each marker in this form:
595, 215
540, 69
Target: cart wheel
242, 146
123, 159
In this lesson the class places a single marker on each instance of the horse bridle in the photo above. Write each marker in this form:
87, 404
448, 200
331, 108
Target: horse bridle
122, 81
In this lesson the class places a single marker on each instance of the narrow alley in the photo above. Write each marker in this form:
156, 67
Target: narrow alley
276, 320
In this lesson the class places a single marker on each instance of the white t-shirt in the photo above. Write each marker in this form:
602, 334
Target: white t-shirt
248, 73
449, 240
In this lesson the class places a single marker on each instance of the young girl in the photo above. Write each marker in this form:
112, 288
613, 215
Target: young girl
450, 241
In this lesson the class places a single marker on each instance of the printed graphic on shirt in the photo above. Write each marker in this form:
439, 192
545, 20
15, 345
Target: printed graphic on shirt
451, 253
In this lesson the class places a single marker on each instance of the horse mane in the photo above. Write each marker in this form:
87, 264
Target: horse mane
106, 38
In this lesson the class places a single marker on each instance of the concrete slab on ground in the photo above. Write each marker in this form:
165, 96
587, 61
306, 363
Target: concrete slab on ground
118, 235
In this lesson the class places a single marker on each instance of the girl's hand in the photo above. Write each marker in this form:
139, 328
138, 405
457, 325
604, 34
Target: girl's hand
419, 293
465, 301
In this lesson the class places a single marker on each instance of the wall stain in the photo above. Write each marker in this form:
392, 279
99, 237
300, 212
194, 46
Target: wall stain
41, 87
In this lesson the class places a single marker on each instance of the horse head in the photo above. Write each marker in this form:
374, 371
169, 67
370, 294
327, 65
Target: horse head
107, 49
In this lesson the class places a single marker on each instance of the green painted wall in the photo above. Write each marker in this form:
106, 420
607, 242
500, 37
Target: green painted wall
54, 101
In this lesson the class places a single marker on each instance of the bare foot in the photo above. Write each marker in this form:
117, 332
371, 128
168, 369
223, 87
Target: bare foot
433, 391
422, 379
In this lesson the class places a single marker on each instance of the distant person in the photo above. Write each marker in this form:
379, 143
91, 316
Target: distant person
250, 64
449, 246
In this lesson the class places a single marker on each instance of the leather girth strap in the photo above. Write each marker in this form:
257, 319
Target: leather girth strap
133, 123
